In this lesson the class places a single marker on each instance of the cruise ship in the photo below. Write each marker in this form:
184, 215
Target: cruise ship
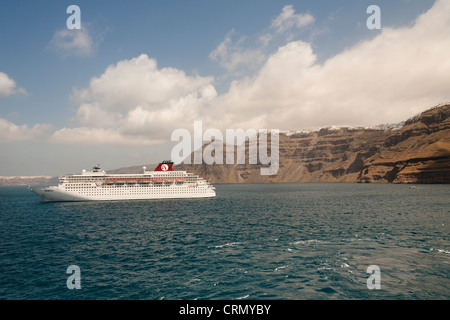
161, 183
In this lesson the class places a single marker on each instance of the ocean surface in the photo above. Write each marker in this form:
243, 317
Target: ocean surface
255, 241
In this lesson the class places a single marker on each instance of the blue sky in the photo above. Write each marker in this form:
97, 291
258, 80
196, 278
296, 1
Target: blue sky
65, 107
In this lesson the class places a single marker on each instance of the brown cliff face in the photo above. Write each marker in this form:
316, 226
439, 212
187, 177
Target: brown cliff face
418, 152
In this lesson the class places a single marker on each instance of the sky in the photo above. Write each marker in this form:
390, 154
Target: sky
113, 91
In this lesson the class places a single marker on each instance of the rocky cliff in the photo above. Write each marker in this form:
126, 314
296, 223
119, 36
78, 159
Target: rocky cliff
416, 152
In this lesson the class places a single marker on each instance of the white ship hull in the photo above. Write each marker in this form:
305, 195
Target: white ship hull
54, 193
162, 183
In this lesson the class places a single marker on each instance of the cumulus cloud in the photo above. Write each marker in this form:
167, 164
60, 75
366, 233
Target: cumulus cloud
395, 75
95, 136
136, 102
10, 132
391, 77
8, 86
75, 42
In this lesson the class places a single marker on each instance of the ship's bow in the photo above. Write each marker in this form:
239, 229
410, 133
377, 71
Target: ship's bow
39, 191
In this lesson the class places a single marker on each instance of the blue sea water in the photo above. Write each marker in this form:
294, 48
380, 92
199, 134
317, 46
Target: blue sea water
253, 241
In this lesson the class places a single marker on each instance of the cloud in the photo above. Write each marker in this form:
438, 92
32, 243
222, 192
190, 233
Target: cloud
9, 132
8, 86
238, 60
287, 19
389, 78
75, 42
97, 136
136, 102
232, 56
265, 39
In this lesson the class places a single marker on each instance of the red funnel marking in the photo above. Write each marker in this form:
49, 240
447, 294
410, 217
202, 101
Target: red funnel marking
164, 166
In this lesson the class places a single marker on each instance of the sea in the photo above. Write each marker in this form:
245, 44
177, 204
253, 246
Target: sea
308, 241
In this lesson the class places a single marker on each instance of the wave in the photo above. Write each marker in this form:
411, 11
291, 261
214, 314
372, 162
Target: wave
229, 244
440, 250
280, 268
306, 242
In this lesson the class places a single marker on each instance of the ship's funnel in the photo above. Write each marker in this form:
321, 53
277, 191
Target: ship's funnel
164, 166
